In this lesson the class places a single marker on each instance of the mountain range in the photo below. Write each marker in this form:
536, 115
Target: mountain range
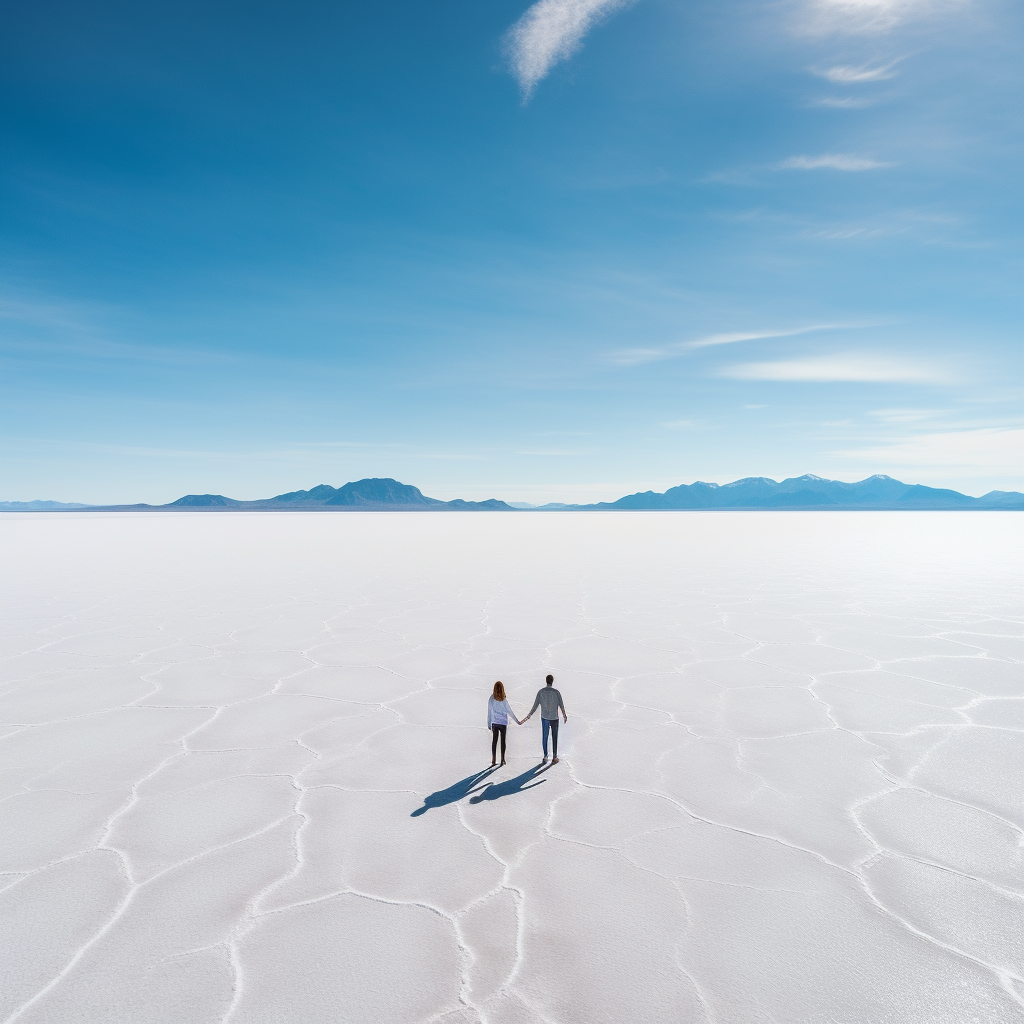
809, 491
757, 492
377, 494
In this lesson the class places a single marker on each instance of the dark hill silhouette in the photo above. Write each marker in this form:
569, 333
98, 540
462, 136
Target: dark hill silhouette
204, 501
361, 493
374, 492
380, 492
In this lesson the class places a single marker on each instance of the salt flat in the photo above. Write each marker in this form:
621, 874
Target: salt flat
240, 757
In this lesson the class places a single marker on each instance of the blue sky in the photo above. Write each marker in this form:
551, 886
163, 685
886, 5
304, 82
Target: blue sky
551, 252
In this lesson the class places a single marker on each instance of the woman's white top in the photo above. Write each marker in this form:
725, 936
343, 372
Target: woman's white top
498, 712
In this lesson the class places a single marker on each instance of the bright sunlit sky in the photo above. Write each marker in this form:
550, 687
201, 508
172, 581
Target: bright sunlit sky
559, 252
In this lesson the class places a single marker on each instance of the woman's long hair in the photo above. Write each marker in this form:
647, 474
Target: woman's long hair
499, 691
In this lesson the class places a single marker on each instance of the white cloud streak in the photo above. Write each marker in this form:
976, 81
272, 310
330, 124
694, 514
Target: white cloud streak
42, 330
638, 356
848, 75
729, 339
551, 452
851, 367
984, 452
832, 162
843, 102
550, 31
904, 415
870, 17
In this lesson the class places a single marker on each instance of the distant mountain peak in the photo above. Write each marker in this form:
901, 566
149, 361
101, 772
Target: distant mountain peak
203, 501
380, 491
752, 480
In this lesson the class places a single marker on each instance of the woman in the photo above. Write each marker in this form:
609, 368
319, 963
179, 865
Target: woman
497, 719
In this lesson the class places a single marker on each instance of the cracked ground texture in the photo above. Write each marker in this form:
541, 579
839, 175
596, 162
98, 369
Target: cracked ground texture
244, 768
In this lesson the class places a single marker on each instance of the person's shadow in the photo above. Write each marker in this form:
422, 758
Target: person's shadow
452, 794
517, 785
478, 784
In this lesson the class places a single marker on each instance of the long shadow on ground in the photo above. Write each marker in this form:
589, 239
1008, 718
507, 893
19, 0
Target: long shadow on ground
497, 790
453, 794
478, 784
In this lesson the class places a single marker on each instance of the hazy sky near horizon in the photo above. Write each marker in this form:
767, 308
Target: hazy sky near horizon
552, 252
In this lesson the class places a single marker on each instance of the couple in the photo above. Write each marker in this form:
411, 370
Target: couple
549, 700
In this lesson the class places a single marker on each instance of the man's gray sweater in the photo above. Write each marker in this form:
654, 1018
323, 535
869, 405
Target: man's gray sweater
549, 700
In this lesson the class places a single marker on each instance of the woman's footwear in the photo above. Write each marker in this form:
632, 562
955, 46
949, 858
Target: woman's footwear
554, 760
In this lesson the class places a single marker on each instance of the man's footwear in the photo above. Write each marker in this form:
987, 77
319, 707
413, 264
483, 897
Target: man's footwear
502, 765
493, 763
554, 760
544, 760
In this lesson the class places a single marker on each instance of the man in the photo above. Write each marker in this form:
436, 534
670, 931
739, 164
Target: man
549, 700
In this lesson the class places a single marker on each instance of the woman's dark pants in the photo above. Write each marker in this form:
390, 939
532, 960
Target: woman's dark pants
495, 730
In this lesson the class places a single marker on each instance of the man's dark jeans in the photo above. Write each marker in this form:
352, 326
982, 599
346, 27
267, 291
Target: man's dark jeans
545, 725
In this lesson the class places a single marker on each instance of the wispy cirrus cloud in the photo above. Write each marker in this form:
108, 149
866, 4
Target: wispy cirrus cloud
833, 234
846, 74
289, 452
42, 330
802, 162
729, 339
821, 17
551, 452
980, 452
849, 367
637, 356
551, 31
843, 102
832, 162
903, 415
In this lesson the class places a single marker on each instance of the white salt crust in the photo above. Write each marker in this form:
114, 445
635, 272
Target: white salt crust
240, 762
